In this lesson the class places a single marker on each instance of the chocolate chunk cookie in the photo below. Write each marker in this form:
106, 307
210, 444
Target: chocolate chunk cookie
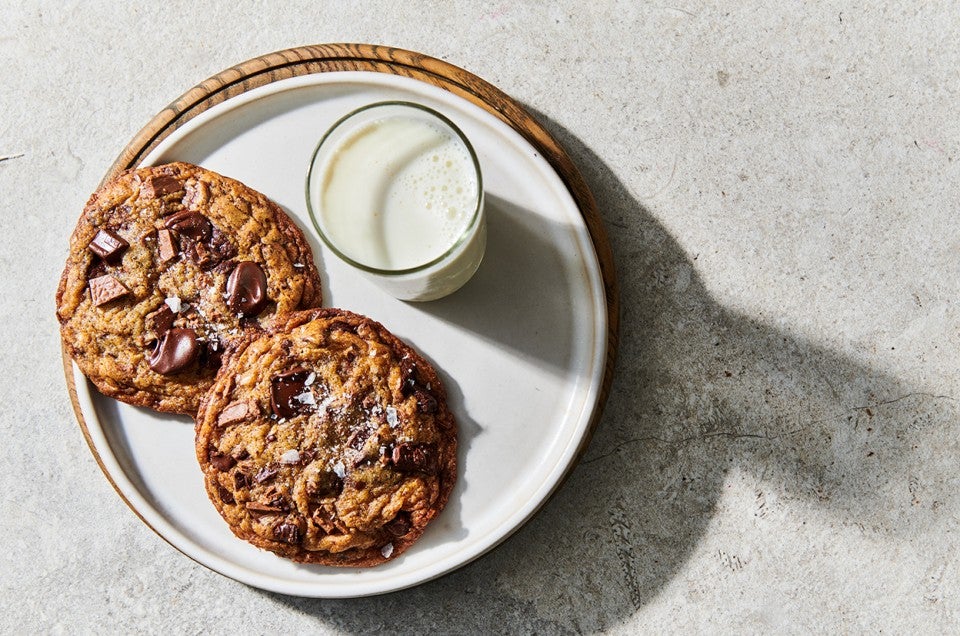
168, 268
328, 440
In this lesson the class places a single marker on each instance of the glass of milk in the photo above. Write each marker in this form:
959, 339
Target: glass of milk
394, 189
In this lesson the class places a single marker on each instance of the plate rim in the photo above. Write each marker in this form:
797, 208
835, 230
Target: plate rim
309, 60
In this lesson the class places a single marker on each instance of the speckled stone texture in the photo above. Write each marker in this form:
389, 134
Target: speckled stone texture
779, 451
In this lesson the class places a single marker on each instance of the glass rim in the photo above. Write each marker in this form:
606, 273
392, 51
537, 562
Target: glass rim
468, 229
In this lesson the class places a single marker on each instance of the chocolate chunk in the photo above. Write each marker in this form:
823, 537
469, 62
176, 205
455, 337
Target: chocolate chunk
221, 461
240, 480
160, 321
323, 519
368, 402
408, 377
240, 454
160, 185
415, 458
211, 355
195, 194
267, 472
201, 255
175, 352
359, 450
274, 497
325, 484
225, 495
256, 506
224, 267
108, 245
237, 412
191, 224
283, 388
358, 438
97, 268
247, 289
215, 251
167, 245
105, 288
347, 363
399, 525
287, 533
426, 403
342, 325
359, 459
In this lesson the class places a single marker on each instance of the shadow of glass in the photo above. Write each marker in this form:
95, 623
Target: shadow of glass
702, 396
522, 275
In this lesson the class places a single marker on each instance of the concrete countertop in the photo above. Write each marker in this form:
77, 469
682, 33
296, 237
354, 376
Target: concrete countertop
779, 450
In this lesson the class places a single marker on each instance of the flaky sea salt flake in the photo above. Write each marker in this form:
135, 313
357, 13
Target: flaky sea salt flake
305, 398
392, 418
174, 304
387, 550
290, 457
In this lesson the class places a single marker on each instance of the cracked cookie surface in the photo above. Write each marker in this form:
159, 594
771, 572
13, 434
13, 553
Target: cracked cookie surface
168, 268
328, 440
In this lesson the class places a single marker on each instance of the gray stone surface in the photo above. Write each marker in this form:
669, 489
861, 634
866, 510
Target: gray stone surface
779, 451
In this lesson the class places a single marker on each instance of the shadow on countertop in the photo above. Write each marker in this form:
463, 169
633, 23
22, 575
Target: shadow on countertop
701, 395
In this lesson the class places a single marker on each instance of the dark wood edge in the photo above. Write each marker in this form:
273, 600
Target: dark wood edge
322, 58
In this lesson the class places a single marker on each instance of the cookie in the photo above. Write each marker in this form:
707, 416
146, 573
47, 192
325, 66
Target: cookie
328, 440
168, 267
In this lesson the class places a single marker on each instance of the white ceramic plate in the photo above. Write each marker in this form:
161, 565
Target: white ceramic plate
521, 347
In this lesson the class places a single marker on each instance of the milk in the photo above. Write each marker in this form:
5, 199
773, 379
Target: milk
396, 191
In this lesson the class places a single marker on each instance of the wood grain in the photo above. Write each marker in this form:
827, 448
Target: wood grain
323, 58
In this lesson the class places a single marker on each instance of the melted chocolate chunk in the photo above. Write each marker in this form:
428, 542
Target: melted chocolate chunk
191, 224
105, 288
283, 389
415, 458
247, 289
175, 352
287, 533
108, 246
